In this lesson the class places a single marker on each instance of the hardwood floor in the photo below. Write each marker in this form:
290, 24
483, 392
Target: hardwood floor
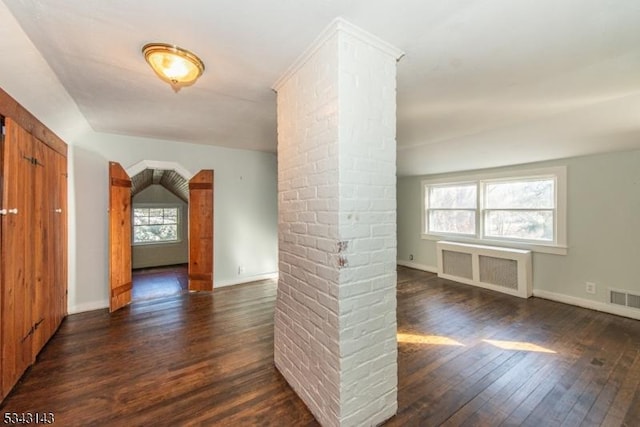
207, 359
159, 282
585, 370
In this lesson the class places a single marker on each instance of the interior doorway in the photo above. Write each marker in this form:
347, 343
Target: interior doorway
199, 221
160, 237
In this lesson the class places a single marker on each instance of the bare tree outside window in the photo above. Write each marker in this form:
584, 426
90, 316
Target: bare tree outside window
520, 209
452, 208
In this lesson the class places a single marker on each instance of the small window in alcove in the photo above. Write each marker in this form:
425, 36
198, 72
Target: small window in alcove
156, 225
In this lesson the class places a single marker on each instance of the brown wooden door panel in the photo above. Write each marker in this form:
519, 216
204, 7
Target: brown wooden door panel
24, 298
29, 246
16, 256
201, 231
119, 237
60, 237
42, 252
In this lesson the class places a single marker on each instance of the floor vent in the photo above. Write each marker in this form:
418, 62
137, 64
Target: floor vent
500, 269
624, 298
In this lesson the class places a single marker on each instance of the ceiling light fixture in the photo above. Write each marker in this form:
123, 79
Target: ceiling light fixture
174, 65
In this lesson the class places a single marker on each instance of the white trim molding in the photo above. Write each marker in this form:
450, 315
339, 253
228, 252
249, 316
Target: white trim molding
559, 246
417, 266
586, 303
87, 306
337, 26
243, 280
98, 305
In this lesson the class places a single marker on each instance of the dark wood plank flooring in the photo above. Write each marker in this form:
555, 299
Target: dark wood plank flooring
159, 282
207, 359
575, 366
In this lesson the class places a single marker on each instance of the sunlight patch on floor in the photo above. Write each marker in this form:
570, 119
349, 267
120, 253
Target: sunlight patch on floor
518, 346
426, 339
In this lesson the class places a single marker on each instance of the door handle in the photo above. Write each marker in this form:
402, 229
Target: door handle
9, 211
58, 210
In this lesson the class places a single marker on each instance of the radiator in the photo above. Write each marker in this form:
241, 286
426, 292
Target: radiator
500, 269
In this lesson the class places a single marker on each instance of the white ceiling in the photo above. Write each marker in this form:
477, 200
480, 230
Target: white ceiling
483, 82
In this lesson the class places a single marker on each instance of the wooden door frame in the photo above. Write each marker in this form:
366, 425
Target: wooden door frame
151, 164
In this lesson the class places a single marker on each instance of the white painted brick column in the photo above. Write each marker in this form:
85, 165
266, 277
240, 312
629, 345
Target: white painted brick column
335, 319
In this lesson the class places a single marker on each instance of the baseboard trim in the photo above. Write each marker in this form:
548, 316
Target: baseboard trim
553, 296
98, 305
242, 280
418, 266
163, 264
585, 303
88, 306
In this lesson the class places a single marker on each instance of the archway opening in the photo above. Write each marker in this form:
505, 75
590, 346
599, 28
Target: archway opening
160, 233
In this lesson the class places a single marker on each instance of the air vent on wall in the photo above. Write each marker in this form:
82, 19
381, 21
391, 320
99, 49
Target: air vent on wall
624, 298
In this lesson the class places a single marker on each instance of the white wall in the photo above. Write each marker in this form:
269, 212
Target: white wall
245, 198
245, 208
27, 77
159, 254
603, 226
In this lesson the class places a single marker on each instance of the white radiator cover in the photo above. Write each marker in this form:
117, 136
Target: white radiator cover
504, 270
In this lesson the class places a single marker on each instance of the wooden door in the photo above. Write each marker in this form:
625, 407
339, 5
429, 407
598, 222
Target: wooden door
50, 296
201, 231
16, 258
42, 251
119, 237
60, 238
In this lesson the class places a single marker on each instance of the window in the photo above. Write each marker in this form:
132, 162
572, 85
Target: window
520, 209
452, 208
155, 224
526, 209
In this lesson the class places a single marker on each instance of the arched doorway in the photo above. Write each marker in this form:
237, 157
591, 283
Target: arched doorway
200, 228
160, 236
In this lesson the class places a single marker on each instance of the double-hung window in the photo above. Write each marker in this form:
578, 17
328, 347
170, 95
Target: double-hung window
526, 209
522, 209
452, 208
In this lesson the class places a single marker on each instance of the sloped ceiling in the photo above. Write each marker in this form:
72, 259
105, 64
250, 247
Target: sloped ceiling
169, 179
483, 82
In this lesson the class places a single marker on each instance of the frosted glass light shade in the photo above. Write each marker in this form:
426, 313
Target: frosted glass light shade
176, 66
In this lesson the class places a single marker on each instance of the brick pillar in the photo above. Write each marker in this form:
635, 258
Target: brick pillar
335, 320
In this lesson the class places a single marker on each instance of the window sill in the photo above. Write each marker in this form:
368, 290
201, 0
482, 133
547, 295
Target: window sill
540, 248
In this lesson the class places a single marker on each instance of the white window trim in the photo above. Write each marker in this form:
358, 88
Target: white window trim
558, 247
157, 205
